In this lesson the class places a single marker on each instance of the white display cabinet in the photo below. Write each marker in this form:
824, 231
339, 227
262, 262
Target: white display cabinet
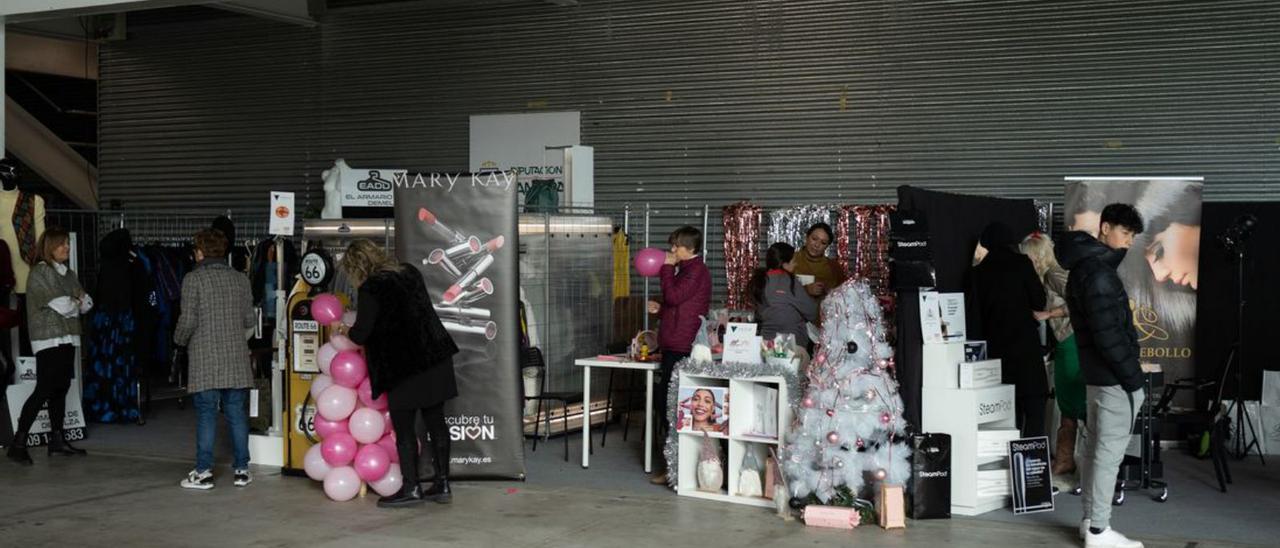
748, 433
980, 422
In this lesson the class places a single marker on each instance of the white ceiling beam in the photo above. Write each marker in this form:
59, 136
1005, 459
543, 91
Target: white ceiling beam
296, 12
43, 55
22, 11
50, 157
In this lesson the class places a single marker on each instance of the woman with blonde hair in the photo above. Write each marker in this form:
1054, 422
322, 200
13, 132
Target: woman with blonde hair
1067, 379
410, 358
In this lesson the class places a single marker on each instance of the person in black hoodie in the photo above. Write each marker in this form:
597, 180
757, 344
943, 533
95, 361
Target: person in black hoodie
1009, 292
410, 358
1109, 352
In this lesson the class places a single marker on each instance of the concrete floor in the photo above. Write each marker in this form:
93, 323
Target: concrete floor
116, 497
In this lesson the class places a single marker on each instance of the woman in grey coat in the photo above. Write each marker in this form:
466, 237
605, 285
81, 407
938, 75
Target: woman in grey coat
217, 313
782, 304
55, 302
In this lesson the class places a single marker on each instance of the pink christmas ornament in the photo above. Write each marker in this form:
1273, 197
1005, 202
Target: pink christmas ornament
833, 438
326, 308
649, 261
880, 474
807, 402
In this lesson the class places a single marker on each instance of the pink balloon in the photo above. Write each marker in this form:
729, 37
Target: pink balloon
348, 369
326, 428
342, 342
649, 261
366, 426
388, 444
336, 402
389, 484
313, 463
386, 418
342, 484
372, 462
326, 308
338, 449
324, 357
365, 391
318, 385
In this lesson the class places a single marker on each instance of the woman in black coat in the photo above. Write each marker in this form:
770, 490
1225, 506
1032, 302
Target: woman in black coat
410, 357
1008, 294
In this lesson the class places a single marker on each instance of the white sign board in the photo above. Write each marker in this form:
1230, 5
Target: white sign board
16, 396
531, 145
741, 344
282, 214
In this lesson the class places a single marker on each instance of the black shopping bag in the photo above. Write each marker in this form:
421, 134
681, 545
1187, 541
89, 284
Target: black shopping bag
930, 476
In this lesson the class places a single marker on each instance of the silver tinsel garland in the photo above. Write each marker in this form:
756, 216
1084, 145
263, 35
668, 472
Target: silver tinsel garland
789, 225
734, 370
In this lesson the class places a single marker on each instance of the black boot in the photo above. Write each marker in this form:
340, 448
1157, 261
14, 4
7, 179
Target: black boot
439, 490
409, 495
18, 450
59, 446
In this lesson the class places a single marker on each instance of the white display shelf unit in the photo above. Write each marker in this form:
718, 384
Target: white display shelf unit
741, 418
980, 422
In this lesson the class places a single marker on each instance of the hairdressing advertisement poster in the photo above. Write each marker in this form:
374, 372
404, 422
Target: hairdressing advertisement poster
1161, 269
460, 231
1031, 482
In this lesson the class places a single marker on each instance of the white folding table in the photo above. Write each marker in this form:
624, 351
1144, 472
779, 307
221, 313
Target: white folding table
619, 363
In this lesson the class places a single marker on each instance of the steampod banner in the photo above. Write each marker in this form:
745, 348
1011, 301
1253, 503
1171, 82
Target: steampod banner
460, 231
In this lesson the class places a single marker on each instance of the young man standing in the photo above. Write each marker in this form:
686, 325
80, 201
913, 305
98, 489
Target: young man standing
1108, 346
686, 297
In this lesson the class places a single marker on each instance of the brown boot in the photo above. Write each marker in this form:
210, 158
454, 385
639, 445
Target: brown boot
1064, 461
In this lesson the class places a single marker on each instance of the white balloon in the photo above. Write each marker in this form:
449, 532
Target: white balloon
366, 425
342, 484
389, 484
314, 464
318, 385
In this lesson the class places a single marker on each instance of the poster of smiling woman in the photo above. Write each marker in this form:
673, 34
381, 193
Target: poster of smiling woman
1161, 269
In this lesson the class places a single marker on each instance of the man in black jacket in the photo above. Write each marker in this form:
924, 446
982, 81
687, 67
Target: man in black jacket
1108, 344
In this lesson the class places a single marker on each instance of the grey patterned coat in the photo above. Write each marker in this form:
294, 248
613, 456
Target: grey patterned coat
217, 309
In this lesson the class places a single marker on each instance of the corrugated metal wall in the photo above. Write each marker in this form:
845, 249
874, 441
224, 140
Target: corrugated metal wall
694, 102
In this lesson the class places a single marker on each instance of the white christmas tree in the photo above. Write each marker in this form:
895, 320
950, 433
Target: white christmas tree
849, 432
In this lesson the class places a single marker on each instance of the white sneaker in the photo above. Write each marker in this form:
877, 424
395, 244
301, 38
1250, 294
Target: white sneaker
198, 480
1109, 538
243, 478
1084, 528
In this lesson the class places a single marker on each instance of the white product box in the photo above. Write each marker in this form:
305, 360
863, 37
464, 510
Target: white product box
942, 364
993, 483
980, 374
995, 443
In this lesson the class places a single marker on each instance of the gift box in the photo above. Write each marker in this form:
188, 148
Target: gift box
836, 517
891, 507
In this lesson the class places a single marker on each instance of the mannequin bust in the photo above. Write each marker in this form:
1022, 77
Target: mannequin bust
10, 197
333, 190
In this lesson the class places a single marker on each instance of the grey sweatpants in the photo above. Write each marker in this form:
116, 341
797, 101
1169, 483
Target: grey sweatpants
1108, 424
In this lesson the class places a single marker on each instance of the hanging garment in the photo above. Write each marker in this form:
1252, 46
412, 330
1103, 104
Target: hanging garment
24, 226
110, 382
621, 265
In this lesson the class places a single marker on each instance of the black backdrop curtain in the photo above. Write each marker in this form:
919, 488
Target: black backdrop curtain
955, 221
1216, 303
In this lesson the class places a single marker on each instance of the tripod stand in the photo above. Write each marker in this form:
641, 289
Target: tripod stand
1236, 356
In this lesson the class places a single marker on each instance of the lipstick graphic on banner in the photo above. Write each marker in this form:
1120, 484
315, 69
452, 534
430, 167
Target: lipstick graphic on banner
465, 259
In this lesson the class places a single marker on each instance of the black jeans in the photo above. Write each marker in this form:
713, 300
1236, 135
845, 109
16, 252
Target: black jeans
661, 420
404, 422
54, 369
1030, 415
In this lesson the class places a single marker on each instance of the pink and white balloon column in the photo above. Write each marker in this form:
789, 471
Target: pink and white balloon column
356, 445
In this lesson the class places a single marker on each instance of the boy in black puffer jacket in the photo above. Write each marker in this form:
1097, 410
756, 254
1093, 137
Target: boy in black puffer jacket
1108, 344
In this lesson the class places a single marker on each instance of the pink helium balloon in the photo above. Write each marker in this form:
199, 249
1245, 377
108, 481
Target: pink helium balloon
315, 465
366, 426
338, 449
326, 308
326, 428
390, 483
372, 462
388, 444
342, 342
365, 391
649, 261
342, 484
318, 385
336, 402
324, 357
348, 369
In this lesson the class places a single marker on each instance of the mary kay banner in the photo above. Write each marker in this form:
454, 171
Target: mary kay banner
1161, 270
460, 231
